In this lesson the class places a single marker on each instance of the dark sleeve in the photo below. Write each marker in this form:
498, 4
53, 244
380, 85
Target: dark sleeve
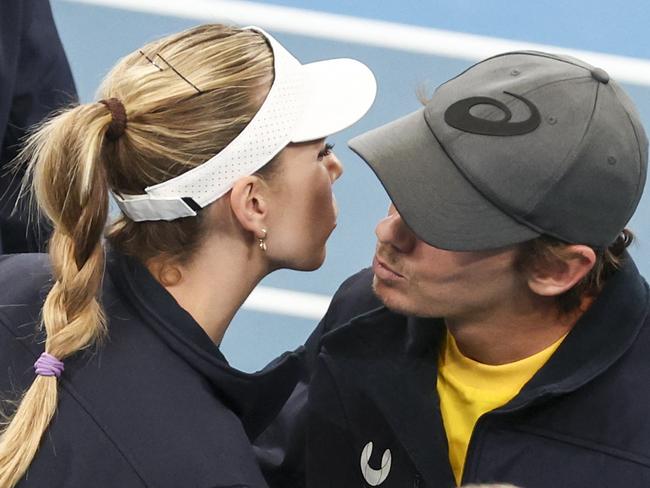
280, 449
35, 79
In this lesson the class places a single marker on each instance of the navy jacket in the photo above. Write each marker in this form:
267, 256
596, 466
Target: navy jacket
35, 79
156, 405
582, 421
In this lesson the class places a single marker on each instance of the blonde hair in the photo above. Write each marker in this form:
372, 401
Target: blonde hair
171, 127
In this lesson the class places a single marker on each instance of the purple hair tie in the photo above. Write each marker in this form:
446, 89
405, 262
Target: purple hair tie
48, 365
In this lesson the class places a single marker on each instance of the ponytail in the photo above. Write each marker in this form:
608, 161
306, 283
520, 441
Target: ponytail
70, 186
76, 156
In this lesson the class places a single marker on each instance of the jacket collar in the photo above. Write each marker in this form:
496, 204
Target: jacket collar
256, 398
384, 348
600, 337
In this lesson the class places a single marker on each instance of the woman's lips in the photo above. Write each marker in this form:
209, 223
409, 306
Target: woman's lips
383, 272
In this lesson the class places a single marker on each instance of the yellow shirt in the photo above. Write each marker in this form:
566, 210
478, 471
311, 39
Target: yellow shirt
468, 389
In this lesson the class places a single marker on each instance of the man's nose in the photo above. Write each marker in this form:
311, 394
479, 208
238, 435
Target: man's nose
391, 230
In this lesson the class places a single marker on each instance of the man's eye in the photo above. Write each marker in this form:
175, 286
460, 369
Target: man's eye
327, 150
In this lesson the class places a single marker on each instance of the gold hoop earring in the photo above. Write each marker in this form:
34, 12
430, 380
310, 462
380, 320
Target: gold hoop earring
262, 241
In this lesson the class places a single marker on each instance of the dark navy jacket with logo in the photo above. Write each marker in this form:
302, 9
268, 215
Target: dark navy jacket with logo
156, 405
583, 421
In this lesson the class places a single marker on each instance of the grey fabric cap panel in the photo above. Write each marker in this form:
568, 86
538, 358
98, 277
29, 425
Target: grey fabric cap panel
431, 195
518, 145
577, 175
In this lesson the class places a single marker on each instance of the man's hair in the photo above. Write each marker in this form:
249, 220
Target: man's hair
545, 249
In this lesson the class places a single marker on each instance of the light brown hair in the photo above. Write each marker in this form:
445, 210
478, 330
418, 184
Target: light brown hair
545, 249
171, 127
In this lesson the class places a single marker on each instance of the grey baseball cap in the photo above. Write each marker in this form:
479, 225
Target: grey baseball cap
519, 145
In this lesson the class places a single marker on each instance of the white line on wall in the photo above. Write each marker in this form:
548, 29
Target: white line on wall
287, 302
370, 32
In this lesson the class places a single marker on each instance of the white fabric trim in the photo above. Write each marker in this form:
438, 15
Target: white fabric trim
144, 207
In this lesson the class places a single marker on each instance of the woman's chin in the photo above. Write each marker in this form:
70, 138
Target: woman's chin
312, 262
305, 260
316, 263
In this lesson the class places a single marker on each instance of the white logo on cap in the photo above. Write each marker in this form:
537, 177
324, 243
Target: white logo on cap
375, 477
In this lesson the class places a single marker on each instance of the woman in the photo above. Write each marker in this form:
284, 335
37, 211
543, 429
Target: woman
212, 142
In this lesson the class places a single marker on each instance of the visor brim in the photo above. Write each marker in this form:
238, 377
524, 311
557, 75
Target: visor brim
338, 93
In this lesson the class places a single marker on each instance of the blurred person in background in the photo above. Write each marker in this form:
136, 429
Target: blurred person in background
212, 142
35, 79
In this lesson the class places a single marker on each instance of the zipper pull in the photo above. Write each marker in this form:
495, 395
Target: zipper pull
416, 481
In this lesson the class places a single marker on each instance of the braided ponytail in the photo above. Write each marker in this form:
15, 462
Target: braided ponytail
75, 158
69, 183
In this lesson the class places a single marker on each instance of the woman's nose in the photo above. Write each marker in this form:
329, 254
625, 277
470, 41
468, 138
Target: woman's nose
334, 167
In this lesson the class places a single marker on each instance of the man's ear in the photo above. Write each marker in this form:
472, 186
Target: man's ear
560, 274
249, 203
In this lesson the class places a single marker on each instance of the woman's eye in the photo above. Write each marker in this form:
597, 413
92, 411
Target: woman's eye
327, 150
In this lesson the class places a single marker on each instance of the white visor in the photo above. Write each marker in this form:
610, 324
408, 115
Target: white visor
305, 103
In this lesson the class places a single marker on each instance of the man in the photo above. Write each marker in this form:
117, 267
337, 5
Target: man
502, 334
34, 80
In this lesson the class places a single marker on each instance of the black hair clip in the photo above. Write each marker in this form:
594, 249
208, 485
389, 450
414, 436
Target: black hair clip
172, 68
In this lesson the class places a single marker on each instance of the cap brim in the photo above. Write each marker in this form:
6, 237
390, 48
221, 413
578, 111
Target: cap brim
432, 196
338, 93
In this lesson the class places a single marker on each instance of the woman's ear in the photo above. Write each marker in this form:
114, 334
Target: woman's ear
249, 199
552, 278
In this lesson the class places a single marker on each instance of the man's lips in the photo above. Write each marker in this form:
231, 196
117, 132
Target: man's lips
383, 271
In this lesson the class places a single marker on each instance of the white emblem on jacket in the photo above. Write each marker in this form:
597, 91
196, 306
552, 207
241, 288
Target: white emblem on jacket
372, 476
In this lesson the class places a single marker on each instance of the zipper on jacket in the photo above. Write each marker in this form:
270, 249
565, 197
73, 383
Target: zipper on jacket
416, 481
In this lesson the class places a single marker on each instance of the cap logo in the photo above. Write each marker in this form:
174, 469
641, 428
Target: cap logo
458, 116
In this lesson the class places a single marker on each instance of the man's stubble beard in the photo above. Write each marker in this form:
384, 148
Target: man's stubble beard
393, 307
